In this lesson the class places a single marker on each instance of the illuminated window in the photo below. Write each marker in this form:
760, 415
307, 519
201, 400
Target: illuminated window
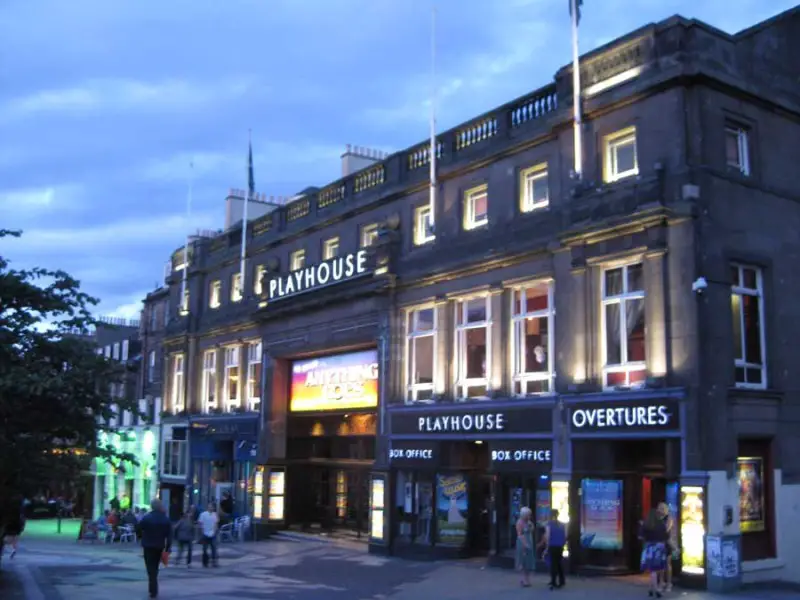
621, 159
177, 383
116, 351
532, 345
330, 248
254, 376
259, 275
737, 149
747, 308
624, 326
297, 260
209, 380
184, 310
236, 287
473, 347
151, 367
369, 235
423, 228
476, 207
534, 188
215, 294
420, 353
231, 381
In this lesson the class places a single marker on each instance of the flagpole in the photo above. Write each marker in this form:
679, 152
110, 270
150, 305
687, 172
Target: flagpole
247, 193
433, 182
184, 279
576, 90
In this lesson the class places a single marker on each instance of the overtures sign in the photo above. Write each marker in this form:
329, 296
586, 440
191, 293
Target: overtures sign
317, 276
338, 382
659, 415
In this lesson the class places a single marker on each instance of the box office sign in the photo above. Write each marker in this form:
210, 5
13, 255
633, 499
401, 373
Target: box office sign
473, 423
313, 277
507, 455
416, 453
636, 416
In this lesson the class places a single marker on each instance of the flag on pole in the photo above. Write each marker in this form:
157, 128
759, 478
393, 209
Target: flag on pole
575, 5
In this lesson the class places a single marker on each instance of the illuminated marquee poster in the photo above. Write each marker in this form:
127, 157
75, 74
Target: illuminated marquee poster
338, 382
751, 493
451, 509
601, 514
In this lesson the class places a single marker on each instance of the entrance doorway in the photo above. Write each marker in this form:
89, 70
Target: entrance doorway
618, 484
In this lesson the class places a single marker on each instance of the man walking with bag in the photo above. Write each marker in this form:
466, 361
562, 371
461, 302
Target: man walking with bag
156, 532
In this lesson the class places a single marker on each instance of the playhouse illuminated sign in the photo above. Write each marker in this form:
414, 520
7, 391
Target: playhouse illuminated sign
317, 276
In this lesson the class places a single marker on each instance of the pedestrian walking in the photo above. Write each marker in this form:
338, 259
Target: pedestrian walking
14, 528
654, 553
555, 537
526, 552
671, 545
209, 521
156, 542
184, 535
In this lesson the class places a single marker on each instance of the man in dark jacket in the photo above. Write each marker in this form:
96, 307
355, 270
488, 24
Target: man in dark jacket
156, 532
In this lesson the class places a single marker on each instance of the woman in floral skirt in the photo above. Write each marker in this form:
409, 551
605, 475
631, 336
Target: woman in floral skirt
654, 554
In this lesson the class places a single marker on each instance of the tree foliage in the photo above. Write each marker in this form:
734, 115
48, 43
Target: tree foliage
55, 390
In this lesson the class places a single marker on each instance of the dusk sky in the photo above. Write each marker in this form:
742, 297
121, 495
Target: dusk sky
104, 103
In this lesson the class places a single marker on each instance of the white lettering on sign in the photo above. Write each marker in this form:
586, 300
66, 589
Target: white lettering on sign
319, 275
521, 455
621, 416
411, 453
467, 423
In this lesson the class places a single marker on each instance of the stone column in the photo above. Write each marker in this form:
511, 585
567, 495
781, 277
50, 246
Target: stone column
243, 380
498, 342
191, 376
220, 364
444, 374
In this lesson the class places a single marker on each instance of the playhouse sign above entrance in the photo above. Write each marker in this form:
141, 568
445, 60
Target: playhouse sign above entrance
312, 277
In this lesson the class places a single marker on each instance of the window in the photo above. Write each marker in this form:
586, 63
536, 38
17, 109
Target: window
624, 326
330, 248
473, 325
108, 351
534, 188
236, 287
231, 381
153, 318
259, 275
151, 367
215, 294
423, 227
177, 384
369, 235
621, 159
254, 376
175, 461
747, 307
209, 380
116, 351
737, 149
297, 260
184, 310
476, 207
125, 349
420, 353
532, 349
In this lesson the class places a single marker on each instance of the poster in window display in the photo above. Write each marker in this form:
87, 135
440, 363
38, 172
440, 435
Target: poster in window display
751, 493
601, 514
451, 509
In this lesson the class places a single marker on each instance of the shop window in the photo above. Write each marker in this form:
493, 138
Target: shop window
177, 384
532, 345
254, 376
414, 508
420, 353
516, 492
624, 327
209, 380
231, 381
747, 309
473, 327
756, 499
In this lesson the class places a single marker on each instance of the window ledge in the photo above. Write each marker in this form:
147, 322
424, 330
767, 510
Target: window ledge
764, 564
748, 393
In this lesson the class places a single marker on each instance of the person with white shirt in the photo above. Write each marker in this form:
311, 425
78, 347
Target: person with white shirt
209, 521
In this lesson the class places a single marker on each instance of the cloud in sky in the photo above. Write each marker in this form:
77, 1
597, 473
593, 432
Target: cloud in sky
105, 104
